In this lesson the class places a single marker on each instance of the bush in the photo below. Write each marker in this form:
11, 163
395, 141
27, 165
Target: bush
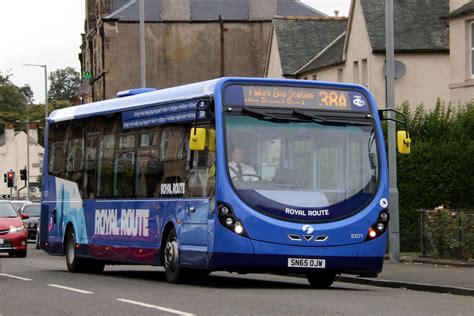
440, 168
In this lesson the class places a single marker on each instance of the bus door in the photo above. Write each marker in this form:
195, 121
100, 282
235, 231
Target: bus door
198, 209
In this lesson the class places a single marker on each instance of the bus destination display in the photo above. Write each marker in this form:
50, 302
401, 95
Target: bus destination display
296, 97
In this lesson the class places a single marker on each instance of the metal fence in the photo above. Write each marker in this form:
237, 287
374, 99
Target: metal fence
439, 233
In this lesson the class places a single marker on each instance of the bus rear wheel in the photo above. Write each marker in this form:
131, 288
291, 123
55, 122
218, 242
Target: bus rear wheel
76, 264
321, 280
174, 272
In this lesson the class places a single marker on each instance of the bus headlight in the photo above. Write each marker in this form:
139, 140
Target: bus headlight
379, 227
238, 228
229, 220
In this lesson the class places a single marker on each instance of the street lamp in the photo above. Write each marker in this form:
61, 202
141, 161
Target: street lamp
45, 87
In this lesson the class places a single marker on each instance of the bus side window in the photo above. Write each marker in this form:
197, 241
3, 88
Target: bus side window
91, 150
125, 166
150, 170
105, 172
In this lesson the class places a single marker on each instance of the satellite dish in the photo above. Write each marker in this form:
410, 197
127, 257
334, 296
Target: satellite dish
400, 69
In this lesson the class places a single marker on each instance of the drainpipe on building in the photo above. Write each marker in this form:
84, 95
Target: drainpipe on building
221, 24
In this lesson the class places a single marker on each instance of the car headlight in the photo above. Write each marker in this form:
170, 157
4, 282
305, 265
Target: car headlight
14, 229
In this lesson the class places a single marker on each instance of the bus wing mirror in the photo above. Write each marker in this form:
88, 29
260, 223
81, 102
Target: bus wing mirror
197, 139
211, 146
403, 142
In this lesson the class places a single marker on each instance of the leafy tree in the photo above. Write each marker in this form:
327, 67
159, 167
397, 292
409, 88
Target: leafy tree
28, 93
64, 84
11, 97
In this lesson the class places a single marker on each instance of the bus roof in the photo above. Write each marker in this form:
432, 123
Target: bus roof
180, 93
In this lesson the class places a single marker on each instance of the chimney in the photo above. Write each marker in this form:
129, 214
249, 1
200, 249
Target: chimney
175, 10
33, 129
336, 13
262, 9
9, 133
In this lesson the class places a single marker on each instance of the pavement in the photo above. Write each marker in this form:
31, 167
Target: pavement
423, 274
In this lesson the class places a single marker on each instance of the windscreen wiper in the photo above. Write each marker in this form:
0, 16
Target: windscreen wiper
305, 115
323, 120
264, 115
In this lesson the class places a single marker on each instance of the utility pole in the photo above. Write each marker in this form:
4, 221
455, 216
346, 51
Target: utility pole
394, 224
28, 160
45, 67
142, 44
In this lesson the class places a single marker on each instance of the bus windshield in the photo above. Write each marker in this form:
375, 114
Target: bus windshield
302, 170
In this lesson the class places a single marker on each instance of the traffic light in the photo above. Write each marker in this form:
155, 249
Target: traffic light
5, 177
10, 179
23, 174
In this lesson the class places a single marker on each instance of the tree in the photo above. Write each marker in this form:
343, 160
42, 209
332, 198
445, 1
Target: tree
11, 97
28, 93
64, 84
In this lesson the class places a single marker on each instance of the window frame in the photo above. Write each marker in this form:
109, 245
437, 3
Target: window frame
471, 50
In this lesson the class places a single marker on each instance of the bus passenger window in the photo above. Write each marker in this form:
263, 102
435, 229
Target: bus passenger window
57, 159
125, 166
91, 149
150, 170
105, 172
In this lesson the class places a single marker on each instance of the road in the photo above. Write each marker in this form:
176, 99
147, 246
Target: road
41, 285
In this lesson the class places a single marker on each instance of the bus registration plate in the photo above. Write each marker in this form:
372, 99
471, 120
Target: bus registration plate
1, 241
306, 263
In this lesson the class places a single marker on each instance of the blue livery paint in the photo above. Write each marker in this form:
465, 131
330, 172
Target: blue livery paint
107, 227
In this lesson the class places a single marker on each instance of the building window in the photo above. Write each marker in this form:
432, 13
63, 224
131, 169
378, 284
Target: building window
305, 78
355, 70
340, 75
315, 77
365, 73
472, 49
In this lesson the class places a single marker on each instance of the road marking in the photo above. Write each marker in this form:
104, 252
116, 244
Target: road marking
169, 310
70, 289
15, 277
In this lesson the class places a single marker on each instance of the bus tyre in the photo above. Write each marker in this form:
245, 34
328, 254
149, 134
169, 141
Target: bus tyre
174, 272
74, 264
321, 280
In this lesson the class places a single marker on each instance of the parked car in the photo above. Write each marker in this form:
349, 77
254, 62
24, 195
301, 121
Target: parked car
13, 234
17, 204
33, 211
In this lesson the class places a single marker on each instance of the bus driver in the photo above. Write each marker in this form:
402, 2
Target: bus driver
238, 169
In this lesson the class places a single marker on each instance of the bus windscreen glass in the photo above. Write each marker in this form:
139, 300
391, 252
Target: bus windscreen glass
299, 170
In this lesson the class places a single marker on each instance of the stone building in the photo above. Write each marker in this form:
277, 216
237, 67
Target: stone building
186, 41
13, 156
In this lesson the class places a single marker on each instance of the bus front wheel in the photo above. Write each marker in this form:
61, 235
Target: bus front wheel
174, 272
321, 280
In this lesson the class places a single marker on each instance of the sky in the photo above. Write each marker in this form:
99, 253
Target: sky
48, 32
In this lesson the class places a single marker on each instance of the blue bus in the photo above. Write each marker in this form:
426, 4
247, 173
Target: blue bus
234, 174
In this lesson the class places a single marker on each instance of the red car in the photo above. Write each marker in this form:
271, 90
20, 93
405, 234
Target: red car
13, 235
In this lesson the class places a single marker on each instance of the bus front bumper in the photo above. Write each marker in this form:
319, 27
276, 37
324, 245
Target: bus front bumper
362, 258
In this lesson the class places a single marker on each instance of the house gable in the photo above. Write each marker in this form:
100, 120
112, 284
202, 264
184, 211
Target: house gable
301, 39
